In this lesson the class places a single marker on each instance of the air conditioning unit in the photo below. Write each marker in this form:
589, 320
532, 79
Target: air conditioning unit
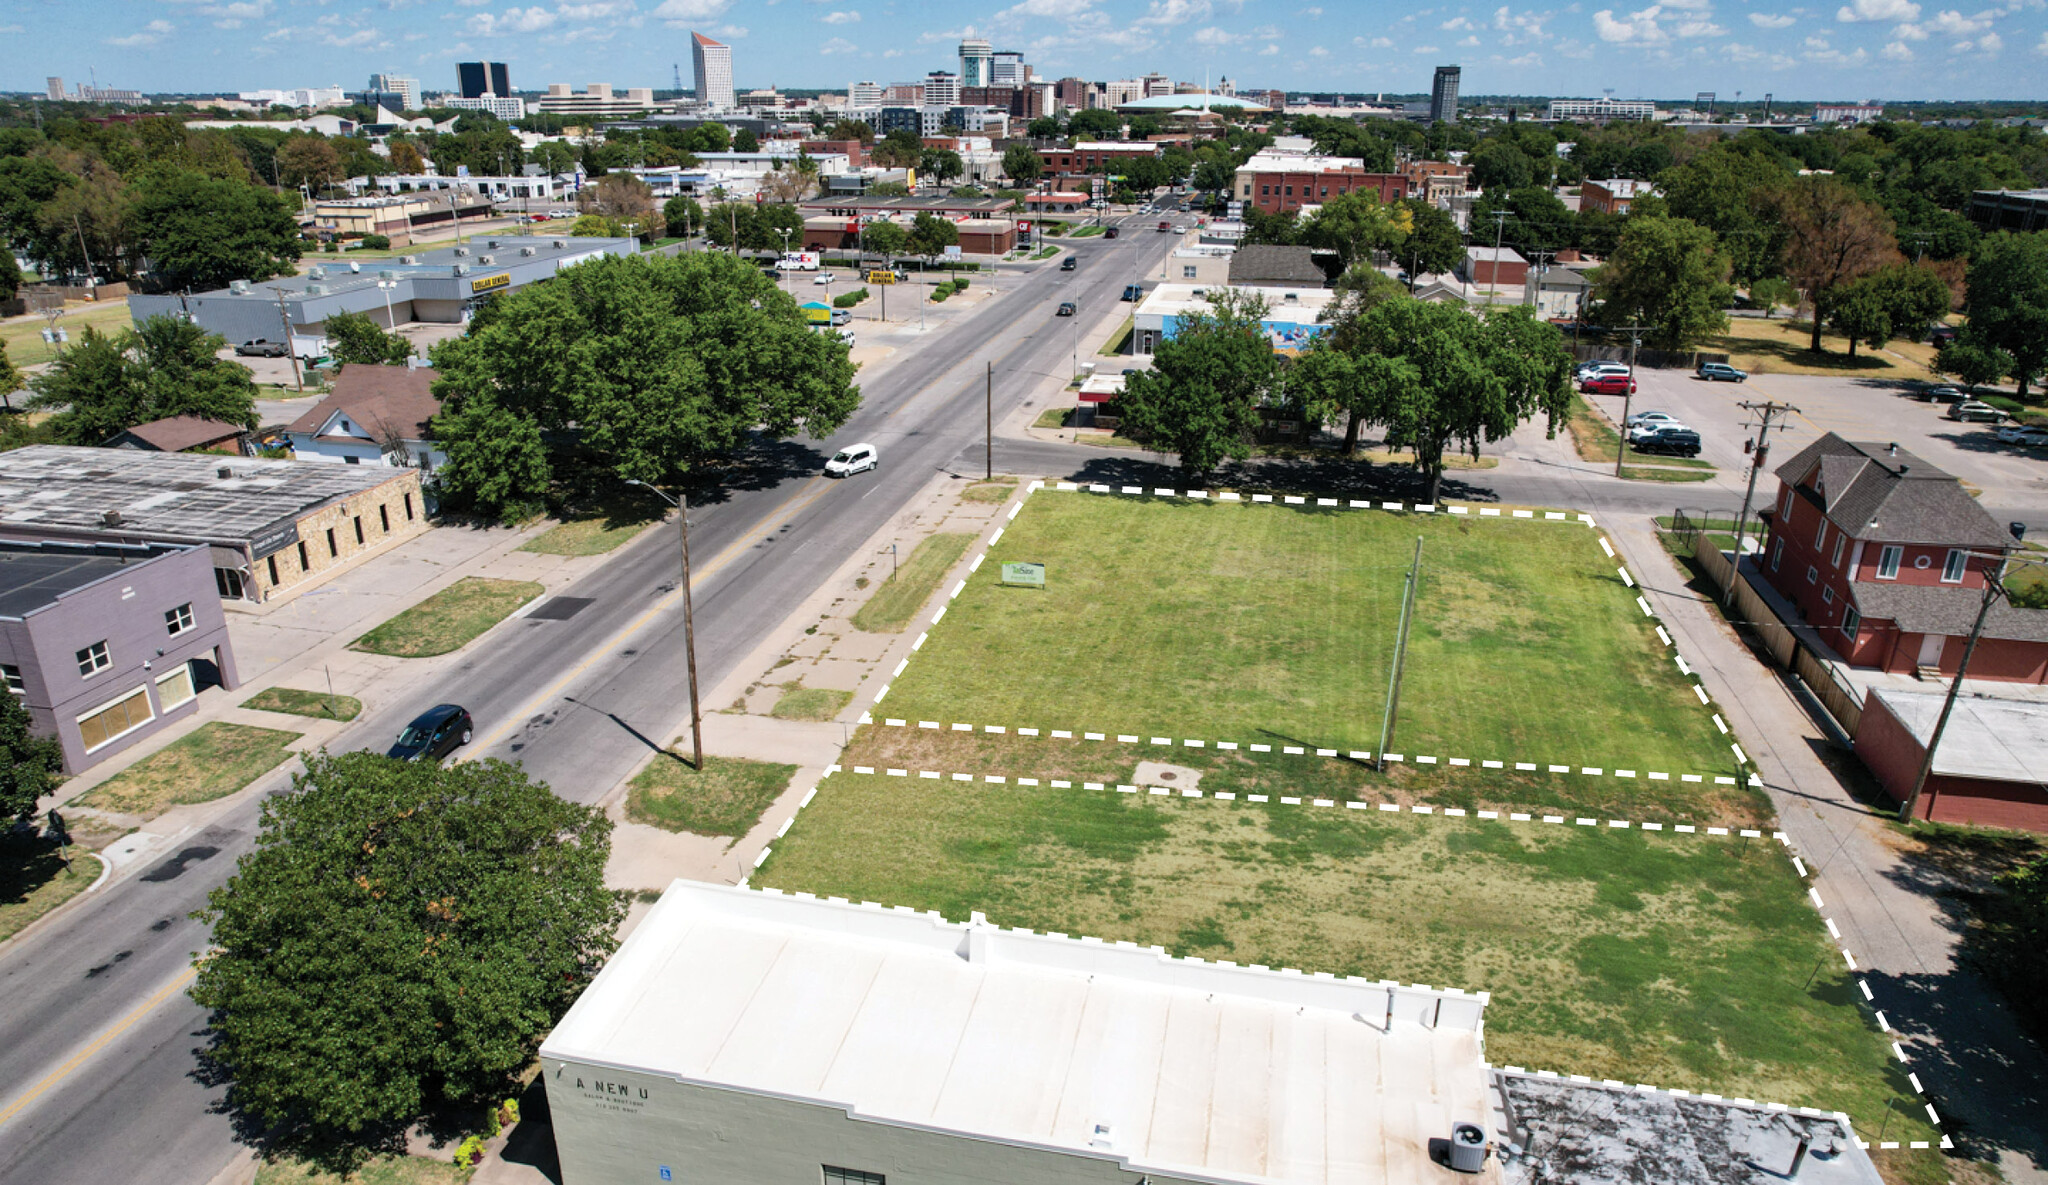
461, 269
487, 260
491, 243
412, 259
316, 290
558, 244
461, 252
238, 286
316, 272
387, 274
528, 251
224, 473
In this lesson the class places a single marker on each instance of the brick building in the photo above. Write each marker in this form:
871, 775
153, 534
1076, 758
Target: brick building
1281, 182
1612, 196
1987, 771
1495, 265
855, 153
1090, 156
1436, 180
1886, 555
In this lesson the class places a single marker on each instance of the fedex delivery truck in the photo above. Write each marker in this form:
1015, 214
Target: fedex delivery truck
799, 261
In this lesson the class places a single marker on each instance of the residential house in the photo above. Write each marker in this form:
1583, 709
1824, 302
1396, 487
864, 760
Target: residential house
182, 434
1887, 557
375, 415
1612, 196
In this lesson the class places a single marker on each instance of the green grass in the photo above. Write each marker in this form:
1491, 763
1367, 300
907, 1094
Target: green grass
1273, 624
1642, 473
896, 600
294, 702
601, 530
1086, 232
384, 1170
34, 881
449, 619
995, 490
1682, 961
212, 761
1596, 440
1053, 417
810, 703
726, 799
24, 335
1120, 341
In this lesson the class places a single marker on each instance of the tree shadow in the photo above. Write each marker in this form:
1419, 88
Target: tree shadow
1328, 476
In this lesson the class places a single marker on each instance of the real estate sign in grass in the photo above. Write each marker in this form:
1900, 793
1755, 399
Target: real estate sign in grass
726, 798
212, 761
449, 619
1275, 624
1677, 960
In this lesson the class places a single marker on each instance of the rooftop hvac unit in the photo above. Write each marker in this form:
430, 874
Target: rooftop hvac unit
461, 269
240, 286
316, 290
316, 272
110, 518
558, 244
413, 259
528, 251
224, 473
487, 260
461, 252
387, 274
491, 243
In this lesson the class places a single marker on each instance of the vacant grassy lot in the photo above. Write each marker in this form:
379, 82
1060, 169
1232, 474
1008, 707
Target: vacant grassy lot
1274, 624
727, 798
24, 335
213, 760
1780, 347
1680, 961
896, 600
34, 881
294, 702
598, 532
449, 619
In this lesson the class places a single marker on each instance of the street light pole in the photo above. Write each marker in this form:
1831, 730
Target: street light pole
682, 504
1628, 394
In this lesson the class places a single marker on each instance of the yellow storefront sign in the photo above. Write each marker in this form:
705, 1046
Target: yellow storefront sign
487, 283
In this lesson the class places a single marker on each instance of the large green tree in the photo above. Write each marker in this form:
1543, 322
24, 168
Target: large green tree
1356, 225
30, 765
1734, 189
1022, 164
200, 232
930, 235
656, 366
1899, 300
1669, 275
2007, 301
396, 945
355, 340
102, 384
1837, 237
1201, 398
1433, 245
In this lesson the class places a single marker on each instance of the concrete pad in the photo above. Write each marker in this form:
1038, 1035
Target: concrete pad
764, 738
646, 857
813, 645
837, 674
861, 646
1159, 773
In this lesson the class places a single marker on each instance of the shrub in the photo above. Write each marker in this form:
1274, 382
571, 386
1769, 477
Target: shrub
376, 243
847, 300
2011, 947
960, 282
2011, 407
470, 1151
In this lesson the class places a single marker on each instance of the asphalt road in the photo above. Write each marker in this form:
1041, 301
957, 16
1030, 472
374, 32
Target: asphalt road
97, 1037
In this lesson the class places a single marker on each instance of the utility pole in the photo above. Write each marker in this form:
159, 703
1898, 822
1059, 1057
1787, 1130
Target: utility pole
1400, 653
1535, 295
1993, 586
1628, 395
291, 351
1500, 222
989, 423
1770, 411
682, 504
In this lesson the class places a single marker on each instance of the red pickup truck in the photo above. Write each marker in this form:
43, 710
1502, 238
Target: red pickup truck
1166, 226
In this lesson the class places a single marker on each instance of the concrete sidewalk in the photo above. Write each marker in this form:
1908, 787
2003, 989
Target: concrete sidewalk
1983, 1075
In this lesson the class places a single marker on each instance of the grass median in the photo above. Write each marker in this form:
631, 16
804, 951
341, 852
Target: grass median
1682, 961
602, 529
726, 798
212, 761
1275, 624
448, 620
292, 701
896, 600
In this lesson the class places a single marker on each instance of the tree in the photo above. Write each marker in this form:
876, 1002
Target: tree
30, 765
1772, 291
683, 211
1900, 299
93, 389
1356, 225
11, 378
1501, 166
10, 274
1734, 189
1668, 275
1096, 121
1022, 164
309, 161
942, 165
101, 385
1045, 127
395, 946
1836, 238
627, 200
1201, 398
553, 156
201, 232
930, 235
852, 129
2007, 301
656, 366
1325, 379
788, 186
406, 160
746, 141
900, 149
353, 339
1433, 245
886, 239
1971, 362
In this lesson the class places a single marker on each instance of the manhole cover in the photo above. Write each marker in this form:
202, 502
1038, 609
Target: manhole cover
561, 609
1167, 775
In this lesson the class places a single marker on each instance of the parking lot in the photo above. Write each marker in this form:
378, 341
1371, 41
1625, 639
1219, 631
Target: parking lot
2013, 478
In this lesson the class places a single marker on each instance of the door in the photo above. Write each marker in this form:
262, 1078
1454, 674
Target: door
1930, 649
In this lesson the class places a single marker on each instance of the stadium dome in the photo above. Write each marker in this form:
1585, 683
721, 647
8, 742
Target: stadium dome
1194, 102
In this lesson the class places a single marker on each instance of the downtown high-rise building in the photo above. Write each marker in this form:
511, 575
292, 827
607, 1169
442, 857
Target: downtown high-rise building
941, 89
1443, 95
864, 94
977, 59
477, 79
1009, 69
407, 89
714, 72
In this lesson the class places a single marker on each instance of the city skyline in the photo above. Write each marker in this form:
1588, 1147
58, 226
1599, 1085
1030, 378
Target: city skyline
1888, 50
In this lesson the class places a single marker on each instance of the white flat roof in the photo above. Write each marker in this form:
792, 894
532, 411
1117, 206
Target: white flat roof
1986, 738
1233, 1074
1171, 300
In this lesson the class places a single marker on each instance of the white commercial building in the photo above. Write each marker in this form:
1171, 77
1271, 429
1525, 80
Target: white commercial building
941, 89
864, 94
597, 99
312, 96
1294, 317
713, 60
505, 109
1602, 109
742, 1037
976, 59
1858, 113
397, 84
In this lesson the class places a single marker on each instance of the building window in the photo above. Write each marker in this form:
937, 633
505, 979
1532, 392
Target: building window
272, 561
1812, 574
175, 689
408, 507
11, 675
1786, 509
229, 582
1827, 596
1187, 271
359, 530
1777, 553
116, 720
1840, 539
1290, 191
351, 459
1852, 622
333, 552
177, 621
838, 1176
1952, 568
93, 659
1820, 540
1888, 561
384, 517
305, 561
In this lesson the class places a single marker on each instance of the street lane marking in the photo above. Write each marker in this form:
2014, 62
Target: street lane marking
98, 1043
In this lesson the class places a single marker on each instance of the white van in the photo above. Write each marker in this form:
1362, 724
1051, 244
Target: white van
852, 459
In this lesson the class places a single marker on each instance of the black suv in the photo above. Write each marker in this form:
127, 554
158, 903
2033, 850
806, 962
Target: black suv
438, 731
1069, 263
1671, 441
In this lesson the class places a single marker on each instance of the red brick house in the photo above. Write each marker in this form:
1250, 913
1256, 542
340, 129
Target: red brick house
1887, 555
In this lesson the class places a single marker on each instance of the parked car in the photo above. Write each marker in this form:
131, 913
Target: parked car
1134, 291
434, 734
1652, 419
1971, 410
262, 348
2023, 434
1069, 263
823, 278
1939, 395
1671, 439
852, 459
1609, 384
1720, 372
1941, 335
1586, 370
1066, 309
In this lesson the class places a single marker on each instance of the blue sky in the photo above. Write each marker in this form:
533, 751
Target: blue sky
1836, 49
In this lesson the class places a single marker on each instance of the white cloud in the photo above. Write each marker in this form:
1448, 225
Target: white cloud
1174, 12
1988, 44
841, 16
1640, 28
1456, 22
472, 3
1213, 37
1954, 24
837, 45
12, 29
1896, 51
1520, 27
730, 32
1910, 32
1700, 29
1427, 49
1318, 52
1834, 57
149, 34
2042, 48
1311, 12
1878, 10
512, 20
1772, 20
681, 13
1375, 43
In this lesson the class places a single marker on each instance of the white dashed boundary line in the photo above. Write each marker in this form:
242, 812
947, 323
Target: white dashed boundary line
1742, 763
